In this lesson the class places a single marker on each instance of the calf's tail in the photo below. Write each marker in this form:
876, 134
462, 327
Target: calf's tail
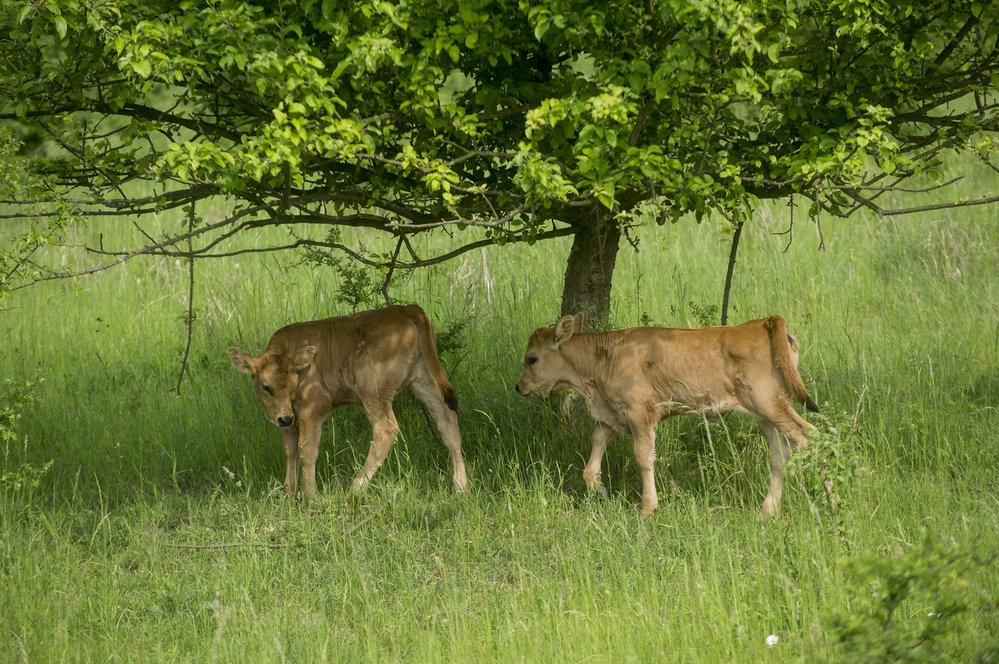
780, 345
428, 348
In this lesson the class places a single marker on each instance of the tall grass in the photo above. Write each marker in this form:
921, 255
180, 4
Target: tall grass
159, 531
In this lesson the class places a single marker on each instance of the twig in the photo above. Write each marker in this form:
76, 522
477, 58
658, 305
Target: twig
232, 545
790, 228
818, 221
388, 274
189, 321
266, 545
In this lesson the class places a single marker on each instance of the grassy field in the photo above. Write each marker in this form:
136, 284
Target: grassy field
137, 524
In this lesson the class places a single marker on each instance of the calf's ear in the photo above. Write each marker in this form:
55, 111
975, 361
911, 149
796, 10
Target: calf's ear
242, 360
565, 328
303, 358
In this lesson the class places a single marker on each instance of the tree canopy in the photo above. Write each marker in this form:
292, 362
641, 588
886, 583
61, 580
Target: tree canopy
525, 121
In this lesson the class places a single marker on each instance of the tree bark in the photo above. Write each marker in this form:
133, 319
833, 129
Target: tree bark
590, 268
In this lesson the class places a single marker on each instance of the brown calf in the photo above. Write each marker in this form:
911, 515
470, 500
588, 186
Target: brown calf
634, 378
308, 369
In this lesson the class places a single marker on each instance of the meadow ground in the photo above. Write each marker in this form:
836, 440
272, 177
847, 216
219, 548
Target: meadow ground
137, 524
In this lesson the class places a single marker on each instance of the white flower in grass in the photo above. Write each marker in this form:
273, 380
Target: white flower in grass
772, 640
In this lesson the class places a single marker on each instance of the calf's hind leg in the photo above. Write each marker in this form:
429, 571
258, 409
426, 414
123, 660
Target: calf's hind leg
780, 452
446, 421
645, 457
781, 432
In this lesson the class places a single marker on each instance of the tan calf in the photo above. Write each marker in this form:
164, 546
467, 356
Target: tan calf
308, 369
634, 378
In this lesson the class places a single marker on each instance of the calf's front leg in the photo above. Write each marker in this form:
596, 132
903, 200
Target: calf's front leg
289, 438
591, 473
309, 433
384, 429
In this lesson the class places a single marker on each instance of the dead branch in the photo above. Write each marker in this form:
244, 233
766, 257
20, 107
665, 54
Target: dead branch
266, 545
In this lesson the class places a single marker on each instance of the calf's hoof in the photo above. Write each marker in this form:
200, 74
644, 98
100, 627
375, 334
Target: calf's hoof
598, 491
769, 508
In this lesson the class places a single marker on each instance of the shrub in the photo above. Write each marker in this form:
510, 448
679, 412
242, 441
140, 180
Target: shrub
921, 606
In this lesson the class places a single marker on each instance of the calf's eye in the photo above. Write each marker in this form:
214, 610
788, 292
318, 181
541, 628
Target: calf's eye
531, 359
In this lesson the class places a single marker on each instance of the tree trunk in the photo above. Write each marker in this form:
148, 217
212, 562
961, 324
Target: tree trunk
587, 286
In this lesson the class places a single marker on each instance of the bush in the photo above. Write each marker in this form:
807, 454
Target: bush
922, 606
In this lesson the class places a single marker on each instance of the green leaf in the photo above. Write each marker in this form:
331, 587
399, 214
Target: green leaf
61, 26
142, 67
606, 199
541, 28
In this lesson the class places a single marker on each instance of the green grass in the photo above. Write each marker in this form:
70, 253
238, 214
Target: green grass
159, 532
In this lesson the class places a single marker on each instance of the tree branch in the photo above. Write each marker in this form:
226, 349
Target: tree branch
881, 212
730, 270
197, 126
956, 40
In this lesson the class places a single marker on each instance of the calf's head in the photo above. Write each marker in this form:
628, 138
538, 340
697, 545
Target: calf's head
275, 379
545, 365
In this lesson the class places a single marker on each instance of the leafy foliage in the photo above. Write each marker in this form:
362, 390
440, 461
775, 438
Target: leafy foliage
13, 399
915, 607
25, 477
358, 287
829, 466
525, 120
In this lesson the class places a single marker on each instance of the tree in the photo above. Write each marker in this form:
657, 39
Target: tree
500, 121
